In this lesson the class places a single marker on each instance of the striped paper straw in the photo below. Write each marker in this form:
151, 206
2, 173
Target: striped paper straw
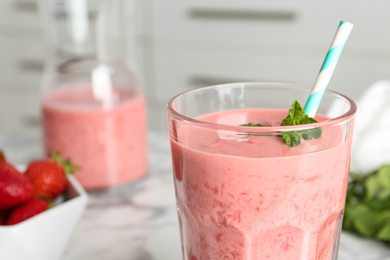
330, 62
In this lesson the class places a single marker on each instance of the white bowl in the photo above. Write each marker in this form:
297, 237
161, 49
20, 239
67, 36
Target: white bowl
46, 235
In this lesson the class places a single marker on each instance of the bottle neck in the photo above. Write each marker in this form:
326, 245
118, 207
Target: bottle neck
85, 29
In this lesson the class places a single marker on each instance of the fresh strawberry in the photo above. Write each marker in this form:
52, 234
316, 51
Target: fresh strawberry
27, 210
48, 176
15, 188
3, 216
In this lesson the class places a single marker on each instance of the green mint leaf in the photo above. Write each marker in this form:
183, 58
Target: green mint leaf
384, 194
384, 233
252, 124
367, 207
296, 116
255, 125
384, 175
292, 138
349, 216
314, 133
378, 204
296, 112
367, 221
372, 185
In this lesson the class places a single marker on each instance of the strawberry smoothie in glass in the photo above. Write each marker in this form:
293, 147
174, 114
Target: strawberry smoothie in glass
241, 192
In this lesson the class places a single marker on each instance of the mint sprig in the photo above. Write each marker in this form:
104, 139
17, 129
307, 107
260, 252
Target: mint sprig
367, 206
297, 116
252, 124
255, 125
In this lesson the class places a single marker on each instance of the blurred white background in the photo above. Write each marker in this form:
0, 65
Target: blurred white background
182, 44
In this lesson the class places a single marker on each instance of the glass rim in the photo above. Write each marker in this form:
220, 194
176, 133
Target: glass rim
327, 123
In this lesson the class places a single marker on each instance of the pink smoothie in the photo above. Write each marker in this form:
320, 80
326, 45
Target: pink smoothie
251, 197
108, 143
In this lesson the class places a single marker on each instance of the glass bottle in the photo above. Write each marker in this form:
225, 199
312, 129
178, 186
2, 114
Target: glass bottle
93, 109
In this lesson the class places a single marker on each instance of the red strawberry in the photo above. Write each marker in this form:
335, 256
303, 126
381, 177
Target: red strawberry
48, 176
3, 216
15, 188
27, 210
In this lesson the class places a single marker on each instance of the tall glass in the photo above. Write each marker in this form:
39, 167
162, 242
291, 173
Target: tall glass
241, 192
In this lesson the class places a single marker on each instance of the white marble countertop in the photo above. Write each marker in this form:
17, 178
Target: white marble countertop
139, 221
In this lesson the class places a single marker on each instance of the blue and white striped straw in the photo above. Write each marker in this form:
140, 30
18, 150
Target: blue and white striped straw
330, 62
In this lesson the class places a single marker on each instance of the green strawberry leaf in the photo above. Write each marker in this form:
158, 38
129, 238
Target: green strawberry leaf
69, 168
2, 156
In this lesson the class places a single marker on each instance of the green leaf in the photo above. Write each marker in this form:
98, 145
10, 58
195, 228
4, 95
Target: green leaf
70, 168
384, 175
297, 116
378, 204
357, 176
372, 185
292, 138
255, 134
67, 165
312, 133
296, 112
368, 221
348, 217
252, 124
384, 233
367, 208
384, 194
307, 120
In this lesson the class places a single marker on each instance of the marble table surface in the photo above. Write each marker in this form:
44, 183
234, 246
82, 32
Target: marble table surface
139, 221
